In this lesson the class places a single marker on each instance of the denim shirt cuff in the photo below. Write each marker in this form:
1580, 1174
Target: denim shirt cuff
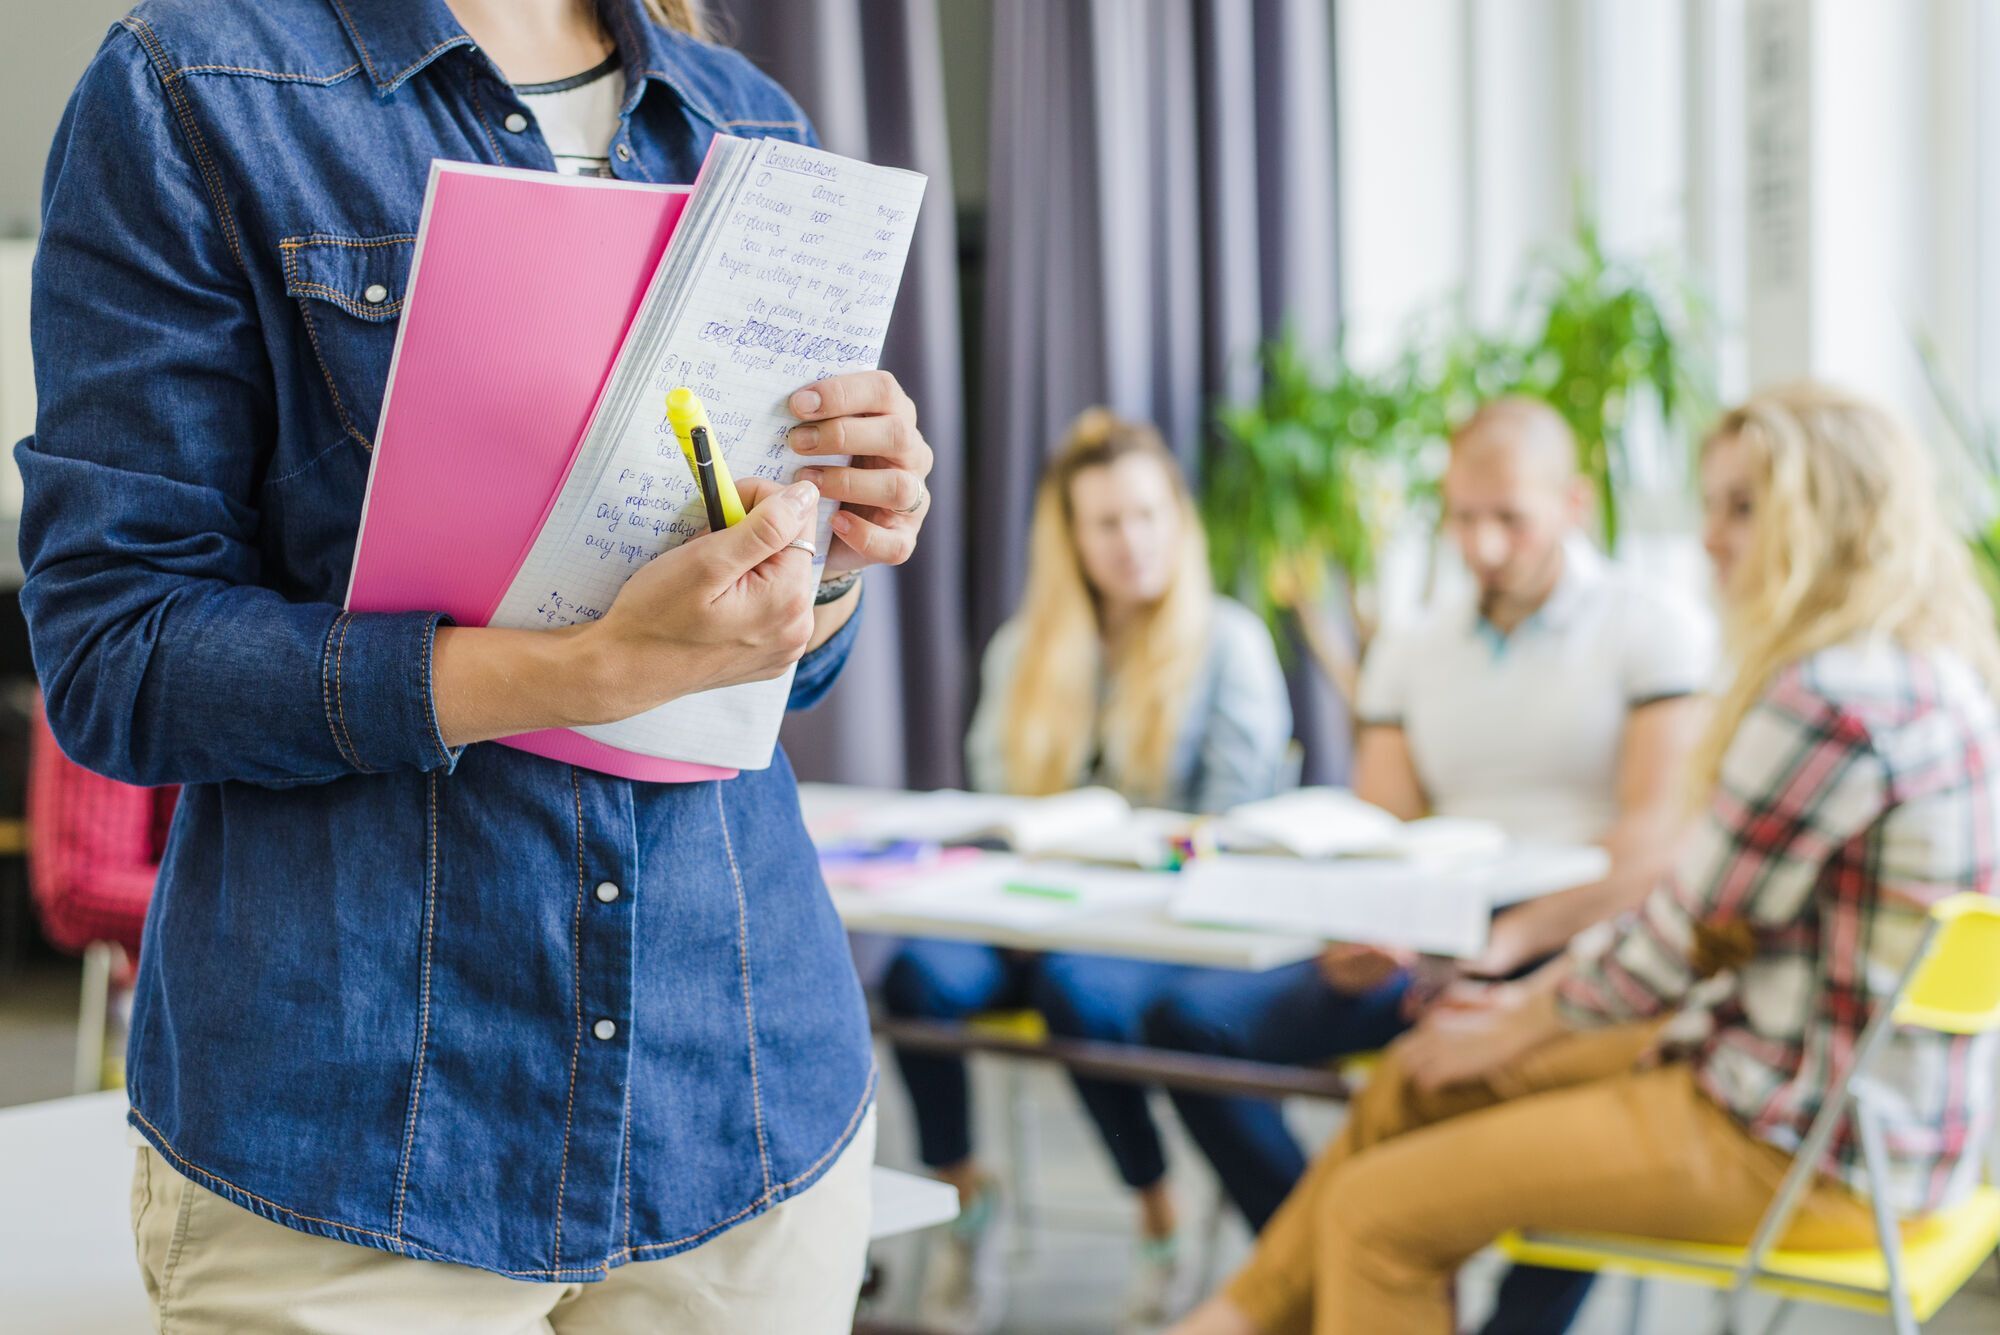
375, 678
818, 670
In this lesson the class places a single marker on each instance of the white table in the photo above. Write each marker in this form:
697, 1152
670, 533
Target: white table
66, 1260
1141, 932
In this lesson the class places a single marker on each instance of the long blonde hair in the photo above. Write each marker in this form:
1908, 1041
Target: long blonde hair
1848, 539
685, 15
1052, 706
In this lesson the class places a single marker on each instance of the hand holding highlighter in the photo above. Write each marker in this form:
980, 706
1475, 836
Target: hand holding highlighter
689, 421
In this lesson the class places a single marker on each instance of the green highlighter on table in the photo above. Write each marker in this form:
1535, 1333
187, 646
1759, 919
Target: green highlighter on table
689, 421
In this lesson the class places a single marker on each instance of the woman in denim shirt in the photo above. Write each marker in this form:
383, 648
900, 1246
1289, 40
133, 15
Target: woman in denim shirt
448, 1002
1123, 668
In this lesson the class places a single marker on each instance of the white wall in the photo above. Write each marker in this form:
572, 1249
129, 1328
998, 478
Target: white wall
1828, 173
45, 49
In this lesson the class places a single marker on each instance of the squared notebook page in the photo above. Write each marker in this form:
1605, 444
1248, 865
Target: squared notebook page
783, 271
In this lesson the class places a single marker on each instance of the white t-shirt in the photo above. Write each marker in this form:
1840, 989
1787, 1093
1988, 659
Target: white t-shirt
1525, 729
578, 116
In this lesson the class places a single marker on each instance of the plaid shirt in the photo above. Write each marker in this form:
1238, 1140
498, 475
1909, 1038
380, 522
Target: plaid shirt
1857, 792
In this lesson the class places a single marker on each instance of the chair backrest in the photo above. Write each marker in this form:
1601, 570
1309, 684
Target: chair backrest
1957, 988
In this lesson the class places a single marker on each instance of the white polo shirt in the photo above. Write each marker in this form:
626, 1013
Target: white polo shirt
1524, 729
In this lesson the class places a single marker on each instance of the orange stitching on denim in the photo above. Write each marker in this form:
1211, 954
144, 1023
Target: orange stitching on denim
359, 45
841, 1142
479, 110
346, 302
291, 268
295, 285
326, 689
184, 113
423, 1009
576, 1007
322, 80
430, 703
628, 1165
340, 696
407, 1248
195, 1171
311, 239
749, 1006
326, 374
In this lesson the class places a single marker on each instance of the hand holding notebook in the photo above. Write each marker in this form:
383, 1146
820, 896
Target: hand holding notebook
781, 272
737, 605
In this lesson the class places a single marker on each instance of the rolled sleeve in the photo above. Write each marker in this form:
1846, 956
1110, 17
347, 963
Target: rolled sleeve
375, 677
1382, 696
819, 669
164, 654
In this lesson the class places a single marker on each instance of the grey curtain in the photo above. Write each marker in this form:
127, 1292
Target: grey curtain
1161, 200
900, 711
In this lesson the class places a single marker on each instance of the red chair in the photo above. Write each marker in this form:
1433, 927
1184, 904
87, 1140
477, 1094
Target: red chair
94, 848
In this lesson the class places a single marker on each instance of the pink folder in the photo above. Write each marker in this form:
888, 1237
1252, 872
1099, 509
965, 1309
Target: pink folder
520, 294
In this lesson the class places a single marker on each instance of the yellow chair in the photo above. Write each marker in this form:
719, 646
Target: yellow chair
1952, 985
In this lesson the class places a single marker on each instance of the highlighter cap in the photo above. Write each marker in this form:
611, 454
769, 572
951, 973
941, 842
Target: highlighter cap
684, 410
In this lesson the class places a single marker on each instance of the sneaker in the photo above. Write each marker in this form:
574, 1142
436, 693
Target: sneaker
965, 1273
1160, 1292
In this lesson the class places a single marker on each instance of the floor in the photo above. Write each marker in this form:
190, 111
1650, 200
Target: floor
1070, 1278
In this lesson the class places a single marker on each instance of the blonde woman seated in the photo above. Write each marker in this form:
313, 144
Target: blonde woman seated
1850, 772
1122, 668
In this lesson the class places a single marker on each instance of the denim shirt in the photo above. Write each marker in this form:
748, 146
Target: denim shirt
473, 1006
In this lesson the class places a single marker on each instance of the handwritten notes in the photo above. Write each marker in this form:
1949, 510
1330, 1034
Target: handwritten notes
783, 270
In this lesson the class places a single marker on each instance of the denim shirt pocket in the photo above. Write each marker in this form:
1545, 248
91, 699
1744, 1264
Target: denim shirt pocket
350, 291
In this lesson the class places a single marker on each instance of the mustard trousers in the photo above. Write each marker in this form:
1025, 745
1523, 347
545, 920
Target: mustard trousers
1573, 1137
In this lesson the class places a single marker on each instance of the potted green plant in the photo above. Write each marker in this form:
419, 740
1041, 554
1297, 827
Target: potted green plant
1303, 482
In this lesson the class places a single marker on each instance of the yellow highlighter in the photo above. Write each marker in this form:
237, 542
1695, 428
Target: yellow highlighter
689, 421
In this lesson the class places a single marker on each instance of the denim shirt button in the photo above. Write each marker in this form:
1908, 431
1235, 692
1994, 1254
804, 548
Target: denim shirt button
375, 295
624, 152
605, 1030
606, 892
515, 122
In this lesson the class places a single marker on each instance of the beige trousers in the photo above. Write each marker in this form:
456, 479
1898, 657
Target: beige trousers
1572, 1137
210, 1265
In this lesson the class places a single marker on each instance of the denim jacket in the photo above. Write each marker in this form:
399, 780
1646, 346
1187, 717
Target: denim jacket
473, 1006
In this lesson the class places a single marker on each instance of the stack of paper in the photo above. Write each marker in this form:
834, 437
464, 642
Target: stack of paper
1000, 891
1090, 824
1333, 822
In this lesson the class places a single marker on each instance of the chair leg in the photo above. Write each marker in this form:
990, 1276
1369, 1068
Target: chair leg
1022, 1158
1888, 1236
91, 1015
1635, 1307
1211, 1236
1779, 1316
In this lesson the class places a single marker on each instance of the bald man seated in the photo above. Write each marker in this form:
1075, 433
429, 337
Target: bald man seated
1558, 699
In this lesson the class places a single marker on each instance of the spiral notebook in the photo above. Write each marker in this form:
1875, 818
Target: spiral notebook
523, 469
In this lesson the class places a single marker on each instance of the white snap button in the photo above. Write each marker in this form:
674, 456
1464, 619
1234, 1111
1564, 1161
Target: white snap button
375, 295
515, 122
624, 153
605, 1030
606, 892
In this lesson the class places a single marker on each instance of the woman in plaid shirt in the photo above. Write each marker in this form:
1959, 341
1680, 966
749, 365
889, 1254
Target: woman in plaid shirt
1848, 784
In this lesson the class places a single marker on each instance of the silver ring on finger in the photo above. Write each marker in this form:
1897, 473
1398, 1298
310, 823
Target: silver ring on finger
923, 498
804, 545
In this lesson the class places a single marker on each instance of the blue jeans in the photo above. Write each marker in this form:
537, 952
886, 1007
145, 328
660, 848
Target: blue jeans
1292, 1016
1080, 996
